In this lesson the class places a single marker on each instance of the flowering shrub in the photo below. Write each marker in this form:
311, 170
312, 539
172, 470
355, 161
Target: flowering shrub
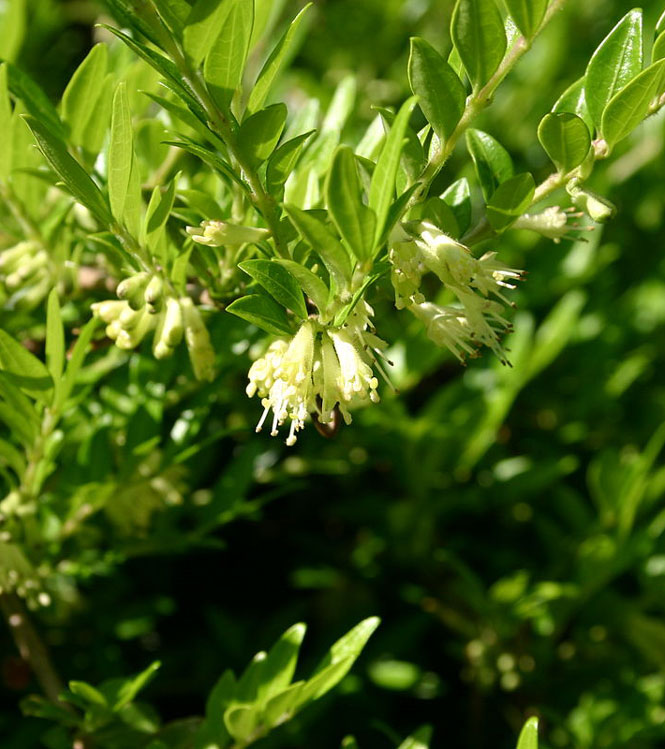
175, 203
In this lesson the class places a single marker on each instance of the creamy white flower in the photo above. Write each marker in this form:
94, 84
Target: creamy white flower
222, 233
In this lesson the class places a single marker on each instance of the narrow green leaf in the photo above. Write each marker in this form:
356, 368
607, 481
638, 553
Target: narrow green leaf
132, 686
225, 62
263, 312
12, 457
79, 101
573, 100
279, 57
55, 337
35, 101
566, 139
492, 161
630, 106
660, 24
658, 51
418, 740
324, 680
75, 362
259, 134
309, 282
351, 644
280, 663
341, 106
88, 693
511, 199
479, 37
382, 187
282, 706
13, 24
159, 209
278, 282
528, 738
203, 25
69, 170
527, 14
324, 243
282, 163
355, 221
617, 60
22, 430
120, 153
6, 124
458, 197
21, 367
441, 94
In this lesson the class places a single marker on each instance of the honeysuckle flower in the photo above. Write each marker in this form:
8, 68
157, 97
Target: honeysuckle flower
224, 234
317, 371
447, 327
551, 223
406, 273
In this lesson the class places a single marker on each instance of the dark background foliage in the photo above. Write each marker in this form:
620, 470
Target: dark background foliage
478, 512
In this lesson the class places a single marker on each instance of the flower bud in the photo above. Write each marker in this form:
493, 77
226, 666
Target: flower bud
133, 289
221, 233
173, 328
154, 291
201, 353
109, 310
595, 206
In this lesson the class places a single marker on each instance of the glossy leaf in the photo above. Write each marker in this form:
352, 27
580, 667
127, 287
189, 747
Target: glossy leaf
324, 243
55, 337
658, 50
69, 170
573, 100
382, 186
22, 368
355, 221
626, 110
279, 57
35, 101
282, 162
225, 62
527, 14
478, 34
203, 25
566, 139
492, 161
617, 60
121, 153
418, 740
309, 282
511, 199
262, 311
441, 94
279, 664
278, 282
79, 101
528, 738
458, 197
260, 133
13, 26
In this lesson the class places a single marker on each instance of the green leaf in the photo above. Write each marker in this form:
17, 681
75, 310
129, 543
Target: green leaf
88, 693
617, 60
260, 133
492, 161
630, 106
573, 100
660, 24
55, 337
658, 51
278, 282
341, 106
418, 740
282, 706
324, 242
511, 199
241, 721
75, 362
21, 367
478, 34
12, 457
355, 221
382, 186
13, 17
79, 101
159, 208
69, 170
309, 282
35, 101
121, 153
225, 62
280, 663
324, 680
441, 94
528, 738
203, 25
458, 197
285, 49
6, 124
566, 139
262, 311
351, 644
132, 686
282, 163
527, 14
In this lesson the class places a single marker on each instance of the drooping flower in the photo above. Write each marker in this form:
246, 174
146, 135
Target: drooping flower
224, 234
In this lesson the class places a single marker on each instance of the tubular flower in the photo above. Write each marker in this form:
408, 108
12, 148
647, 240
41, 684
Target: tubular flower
317, 371
223, 234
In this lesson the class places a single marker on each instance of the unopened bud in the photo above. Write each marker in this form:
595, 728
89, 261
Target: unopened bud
172, 330
109, 310
201, 353
221, 233
595, 206
133, 289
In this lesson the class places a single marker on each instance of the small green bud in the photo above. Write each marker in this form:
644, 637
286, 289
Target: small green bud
133, 289
172, 330
109, 310
154, 291
201, 353
595, 206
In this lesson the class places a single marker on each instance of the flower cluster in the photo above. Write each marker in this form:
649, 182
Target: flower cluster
145, 306
319, 370
476, 319
27, 274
